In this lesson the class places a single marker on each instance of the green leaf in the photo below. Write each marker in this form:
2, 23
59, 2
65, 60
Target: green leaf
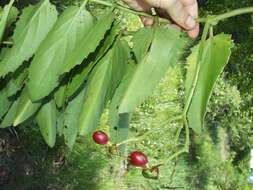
10, 116
4, 102
16, 82
81, 71
46, 119
142, 41
71, 116
89, 42
123, 130
4, 18
60, 43
25, 108
215, 56
191, 64
60, 123
103, 80
113, 118
163, 53
34, 24
60, 95
13, 15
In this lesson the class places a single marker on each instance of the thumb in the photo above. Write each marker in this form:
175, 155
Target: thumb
176, 11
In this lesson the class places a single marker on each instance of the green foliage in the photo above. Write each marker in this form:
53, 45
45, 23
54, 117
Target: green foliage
5, 103
207, 67
10, 116
4, 18
33, 26
25, 108
97, 33
83, 65
152, 66
102, 83
116, 129
46, 119
71, 116
59, 44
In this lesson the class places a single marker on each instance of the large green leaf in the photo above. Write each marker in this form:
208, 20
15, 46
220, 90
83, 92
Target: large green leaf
106, 75
10, 116
4, 18
25, 108
34, 24
71, 116
164, 50
89, 42
60, 43
215, 56
46, 119
81, 72
119, 132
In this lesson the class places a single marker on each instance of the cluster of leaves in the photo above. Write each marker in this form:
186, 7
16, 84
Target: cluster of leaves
70, 86
76, 64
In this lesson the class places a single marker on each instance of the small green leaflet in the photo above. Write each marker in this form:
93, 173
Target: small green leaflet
34, 24
60, 43
71, 116
106, 75
89, 42
163, 53
81, 71
46, 119
215, 56
25, 108
4, 18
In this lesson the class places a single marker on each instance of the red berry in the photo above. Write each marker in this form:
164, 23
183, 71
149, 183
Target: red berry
100, 137
138, 159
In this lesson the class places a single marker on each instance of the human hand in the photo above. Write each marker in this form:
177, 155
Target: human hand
182, 12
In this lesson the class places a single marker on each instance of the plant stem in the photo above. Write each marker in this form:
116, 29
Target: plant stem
226, 15
149, 132
211, 19
125, 9
7, 42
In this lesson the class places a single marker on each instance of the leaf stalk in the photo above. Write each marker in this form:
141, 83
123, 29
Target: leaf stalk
236, 12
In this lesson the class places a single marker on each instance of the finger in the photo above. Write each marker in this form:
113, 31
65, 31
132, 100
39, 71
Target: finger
194, 32
191, 6
147, 21
176, 10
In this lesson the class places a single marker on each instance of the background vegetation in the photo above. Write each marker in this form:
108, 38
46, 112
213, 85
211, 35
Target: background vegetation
218, 159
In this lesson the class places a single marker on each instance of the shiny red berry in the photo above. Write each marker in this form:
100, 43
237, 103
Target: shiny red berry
100, 137
138, 159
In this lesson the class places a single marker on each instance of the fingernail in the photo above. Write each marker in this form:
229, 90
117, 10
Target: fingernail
190, 22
